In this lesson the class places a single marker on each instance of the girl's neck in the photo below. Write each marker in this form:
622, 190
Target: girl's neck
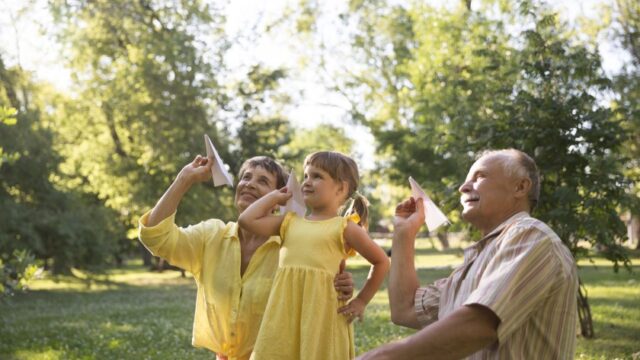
324, 213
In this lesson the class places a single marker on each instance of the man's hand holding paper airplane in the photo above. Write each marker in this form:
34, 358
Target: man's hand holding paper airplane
433, 215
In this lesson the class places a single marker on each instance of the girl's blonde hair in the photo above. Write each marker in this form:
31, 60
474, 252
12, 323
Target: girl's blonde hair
343, 168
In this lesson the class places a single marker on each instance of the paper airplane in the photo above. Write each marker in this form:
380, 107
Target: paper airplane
295, 203
433, 216
218, 170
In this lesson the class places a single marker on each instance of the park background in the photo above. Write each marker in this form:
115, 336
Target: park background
103, 102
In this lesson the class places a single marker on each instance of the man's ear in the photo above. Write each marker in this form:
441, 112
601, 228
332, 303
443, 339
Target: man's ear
523, 185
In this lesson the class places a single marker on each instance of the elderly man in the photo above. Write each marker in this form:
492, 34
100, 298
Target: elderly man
514, 296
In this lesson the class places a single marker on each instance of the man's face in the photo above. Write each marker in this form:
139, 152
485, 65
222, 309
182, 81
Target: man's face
487, 195
254, 183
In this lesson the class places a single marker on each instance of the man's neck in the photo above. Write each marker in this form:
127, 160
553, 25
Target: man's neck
486, 230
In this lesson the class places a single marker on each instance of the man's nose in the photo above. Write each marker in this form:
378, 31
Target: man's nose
465, 187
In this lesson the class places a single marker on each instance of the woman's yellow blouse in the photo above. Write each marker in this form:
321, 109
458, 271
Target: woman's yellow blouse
229, 307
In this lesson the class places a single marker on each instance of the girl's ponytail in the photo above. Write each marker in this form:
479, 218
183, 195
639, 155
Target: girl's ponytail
359, 205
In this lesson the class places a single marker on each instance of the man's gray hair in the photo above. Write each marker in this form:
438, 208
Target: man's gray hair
517, 163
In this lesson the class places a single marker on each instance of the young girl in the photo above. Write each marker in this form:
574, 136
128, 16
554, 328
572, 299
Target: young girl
301, 320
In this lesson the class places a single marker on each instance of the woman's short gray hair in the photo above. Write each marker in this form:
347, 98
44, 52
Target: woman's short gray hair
518, 164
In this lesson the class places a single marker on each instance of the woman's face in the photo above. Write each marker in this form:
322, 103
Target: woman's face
254, 183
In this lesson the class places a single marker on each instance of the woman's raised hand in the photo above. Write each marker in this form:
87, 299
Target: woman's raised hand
199, 170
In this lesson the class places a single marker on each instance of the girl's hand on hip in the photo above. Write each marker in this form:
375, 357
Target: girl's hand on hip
354, 309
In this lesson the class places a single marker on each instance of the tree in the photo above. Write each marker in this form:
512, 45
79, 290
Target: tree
62, 228
444, 84
147, 91
625, 30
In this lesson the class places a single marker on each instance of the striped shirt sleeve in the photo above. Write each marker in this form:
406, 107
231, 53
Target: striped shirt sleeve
519, 277
427, 302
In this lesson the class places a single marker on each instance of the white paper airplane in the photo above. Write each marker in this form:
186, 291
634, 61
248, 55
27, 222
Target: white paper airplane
295, 203
433, 216
218, 170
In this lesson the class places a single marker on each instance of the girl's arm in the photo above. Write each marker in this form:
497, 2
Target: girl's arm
357, 238
257, 218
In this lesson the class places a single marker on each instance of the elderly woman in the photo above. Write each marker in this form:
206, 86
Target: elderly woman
233, 268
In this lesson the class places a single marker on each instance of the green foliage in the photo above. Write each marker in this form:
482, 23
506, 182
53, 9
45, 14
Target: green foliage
16, 271
457, 82
307, 141
8, 115
7, 118
626, 32
147, 93
63, 227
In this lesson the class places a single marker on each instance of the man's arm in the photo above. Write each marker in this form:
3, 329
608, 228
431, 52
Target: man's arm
403, 279
458, 335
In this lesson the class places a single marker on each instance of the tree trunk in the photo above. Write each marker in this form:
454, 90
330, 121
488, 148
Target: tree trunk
633, 230
443, 237
584, 312
146, 255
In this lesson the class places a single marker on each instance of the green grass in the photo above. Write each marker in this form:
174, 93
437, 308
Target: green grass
131, 313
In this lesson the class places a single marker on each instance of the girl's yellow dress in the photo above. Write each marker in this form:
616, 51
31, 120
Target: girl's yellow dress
301, 319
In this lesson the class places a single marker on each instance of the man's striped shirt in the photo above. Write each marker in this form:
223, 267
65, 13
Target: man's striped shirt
523, 273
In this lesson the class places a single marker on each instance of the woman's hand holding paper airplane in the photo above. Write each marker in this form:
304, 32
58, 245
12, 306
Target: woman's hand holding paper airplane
199, 170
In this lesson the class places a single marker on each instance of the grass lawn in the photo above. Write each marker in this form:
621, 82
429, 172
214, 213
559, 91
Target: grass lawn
131, 313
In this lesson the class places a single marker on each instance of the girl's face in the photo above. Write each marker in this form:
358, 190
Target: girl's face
254, 184
320, 190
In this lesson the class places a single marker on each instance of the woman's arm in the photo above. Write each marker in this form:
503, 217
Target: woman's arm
197, 171
257, 218
357, 238
343, 283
